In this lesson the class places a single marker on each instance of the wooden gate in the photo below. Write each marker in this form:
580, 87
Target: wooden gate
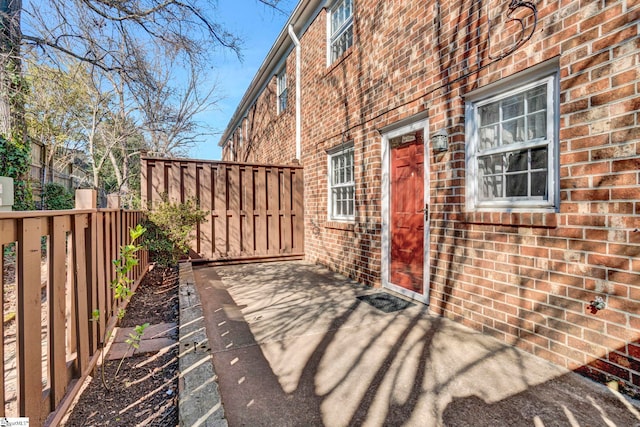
256, 211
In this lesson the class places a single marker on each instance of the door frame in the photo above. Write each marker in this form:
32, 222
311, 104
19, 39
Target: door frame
405, 126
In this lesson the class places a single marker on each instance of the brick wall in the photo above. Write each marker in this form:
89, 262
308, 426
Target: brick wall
525, 278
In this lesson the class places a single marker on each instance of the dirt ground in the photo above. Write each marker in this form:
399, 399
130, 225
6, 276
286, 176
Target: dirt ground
145, 392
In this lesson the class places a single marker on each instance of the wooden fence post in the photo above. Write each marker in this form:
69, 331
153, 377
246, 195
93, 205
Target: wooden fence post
86, 198
113, 201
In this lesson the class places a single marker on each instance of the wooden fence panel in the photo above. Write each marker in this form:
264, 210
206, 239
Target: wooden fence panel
256, 211
78, 266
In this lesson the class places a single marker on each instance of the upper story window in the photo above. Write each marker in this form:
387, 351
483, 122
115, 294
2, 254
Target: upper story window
340, 29
512, 146
282, 90
341, 184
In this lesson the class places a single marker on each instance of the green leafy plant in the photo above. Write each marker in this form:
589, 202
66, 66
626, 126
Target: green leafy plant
15, 162
170, 226
133, 340
56, 197
122, 291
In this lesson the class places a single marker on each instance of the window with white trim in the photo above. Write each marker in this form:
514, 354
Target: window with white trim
340, 29
342, 185
282, 90
511, 149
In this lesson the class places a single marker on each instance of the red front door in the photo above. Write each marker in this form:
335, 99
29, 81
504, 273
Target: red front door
407, 214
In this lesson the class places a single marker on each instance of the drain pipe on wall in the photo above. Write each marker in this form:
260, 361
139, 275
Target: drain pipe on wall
293, 36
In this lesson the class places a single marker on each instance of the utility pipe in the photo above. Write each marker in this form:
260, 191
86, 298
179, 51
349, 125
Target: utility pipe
293, 36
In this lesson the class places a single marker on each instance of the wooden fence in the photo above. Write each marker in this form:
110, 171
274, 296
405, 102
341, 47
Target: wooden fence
63, 272
256, 211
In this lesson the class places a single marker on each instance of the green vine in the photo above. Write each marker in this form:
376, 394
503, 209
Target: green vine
15, 162
15, 150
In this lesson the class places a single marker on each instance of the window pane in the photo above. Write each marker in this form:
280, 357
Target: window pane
491, 187
537, 99
537, 124
539, 184
489, 114
488, 137
517, 161
513, 107
517, 185
513, 131
539, 158
490, 165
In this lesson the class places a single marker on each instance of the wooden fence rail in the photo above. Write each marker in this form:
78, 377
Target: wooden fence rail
256, 211
63, 271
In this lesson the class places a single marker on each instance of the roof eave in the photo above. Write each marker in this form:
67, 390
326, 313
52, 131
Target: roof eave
299, 18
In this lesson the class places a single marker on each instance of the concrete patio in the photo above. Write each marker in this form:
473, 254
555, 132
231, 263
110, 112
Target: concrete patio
293, 345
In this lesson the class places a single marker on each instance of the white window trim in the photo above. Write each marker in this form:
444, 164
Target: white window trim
281, 89
545, 73
331, 6
341, 149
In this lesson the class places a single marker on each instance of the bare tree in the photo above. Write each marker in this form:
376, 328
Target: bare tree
170, 114
106, 34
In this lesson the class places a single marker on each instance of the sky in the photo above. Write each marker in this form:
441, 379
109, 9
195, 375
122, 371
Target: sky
258, 26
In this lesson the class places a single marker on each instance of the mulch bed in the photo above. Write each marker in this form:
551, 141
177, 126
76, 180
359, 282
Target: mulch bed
145, 391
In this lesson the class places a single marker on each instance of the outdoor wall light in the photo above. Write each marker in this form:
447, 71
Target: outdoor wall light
440, 140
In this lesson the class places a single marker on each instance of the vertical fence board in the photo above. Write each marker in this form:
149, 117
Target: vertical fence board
174, 182
273, 227
29, 356
57, 308
220, 200
233, 210
285, 212
108, 233
80, 290
189, 180
144, 187
92, 288
189, 191
102, 271
260, 211
297, 198
206, 228
70, 300
246, 210
156, 170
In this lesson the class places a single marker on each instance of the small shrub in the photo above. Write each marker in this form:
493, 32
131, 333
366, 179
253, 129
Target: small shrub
56, 197
169, 227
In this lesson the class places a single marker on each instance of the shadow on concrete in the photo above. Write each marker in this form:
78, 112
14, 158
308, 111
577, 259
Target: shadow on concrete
293, 345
